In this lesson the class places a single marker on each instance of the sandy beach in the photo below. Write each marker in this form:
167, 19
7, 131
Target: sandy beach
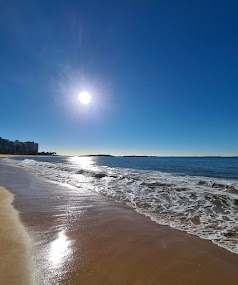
127, 248
14, 244
86, 238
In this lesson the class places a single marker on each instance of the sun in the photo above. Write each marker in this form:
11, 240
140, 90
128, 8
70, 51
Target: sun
84, 97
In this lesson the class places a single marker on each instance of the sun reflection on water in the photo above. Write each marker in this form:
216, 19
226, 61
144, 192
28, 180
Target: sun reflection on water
59, 251
87, 163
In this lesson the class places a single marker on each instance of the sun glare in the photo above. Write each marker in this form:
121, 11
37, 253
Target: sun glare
84, 97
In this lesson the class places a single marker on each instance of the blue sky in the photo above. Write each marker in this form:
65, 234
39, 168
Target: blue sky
162, 76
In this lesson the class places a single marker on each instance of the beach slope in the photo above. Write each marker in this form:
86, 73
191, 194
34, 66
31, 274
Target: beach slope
14, 244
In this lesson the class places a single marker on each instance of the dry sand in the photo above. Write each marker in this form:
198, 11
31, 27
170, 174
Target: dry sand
14, 244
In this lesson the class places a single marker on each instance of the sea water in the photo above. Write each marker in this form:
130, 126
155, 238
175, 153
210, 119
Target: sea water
198, 195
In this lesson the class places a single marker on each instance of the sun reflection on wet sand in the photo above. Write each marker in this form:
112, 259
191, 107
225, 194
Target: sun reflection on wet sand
59, 251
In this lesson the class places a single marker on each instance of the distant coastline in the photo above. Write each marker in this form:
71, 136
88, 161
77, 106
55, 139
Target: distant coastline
18, 147
197, 156
26, 155
43, 154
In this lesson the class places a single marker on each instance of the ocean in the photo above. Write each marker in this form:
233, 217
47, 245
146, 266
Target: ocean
198, 195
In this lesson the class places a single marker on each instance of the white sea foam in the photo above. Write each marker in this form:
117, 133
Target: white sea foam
206, 207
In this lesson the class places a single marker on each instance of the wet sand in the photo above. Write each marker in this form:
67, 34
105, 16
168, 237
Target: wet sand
81, 237
123, 247
14, 244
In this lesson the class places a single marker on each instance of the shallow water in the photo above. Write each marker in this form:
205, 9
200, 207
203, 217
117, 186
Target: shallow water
51, 213
82, 237
196, 195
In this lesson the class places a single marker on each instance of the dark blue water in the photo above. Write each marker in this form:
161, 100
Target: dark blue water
217, 167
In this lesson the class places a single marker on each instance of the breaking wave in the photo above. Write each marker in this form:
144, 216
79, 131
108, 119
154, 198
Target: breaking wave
202, 206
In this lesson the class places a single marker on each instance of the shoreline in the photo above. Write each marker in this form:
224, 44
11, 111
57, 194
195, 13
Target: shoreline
14, 244
83, 237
